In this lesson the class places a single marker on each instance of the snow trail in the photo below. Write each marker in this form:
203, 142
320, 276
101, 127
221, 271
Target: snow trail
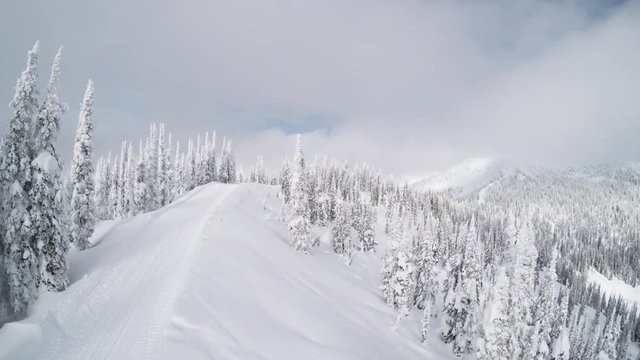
213, 276
142, 288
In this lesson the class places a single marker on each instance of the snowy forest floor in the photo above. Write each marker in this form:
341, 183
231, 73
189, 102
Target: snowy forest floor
212, 276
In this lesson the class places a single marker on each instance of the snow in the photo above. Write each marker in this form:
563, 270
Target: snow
467, 177
212, 276
45, 161
615, 287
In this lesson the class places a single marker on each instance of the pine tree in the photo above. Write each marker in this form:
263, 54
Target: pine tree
285, 181
366, 228
545, 307
178, 181
103, 189
223, 171
48, 235
397, 280
299, 205
260, 176
461, 309
129, 182
500, 340
211, 159
231, 164
524, 285
20, 263
140, 192
425, 283
341, 239
82, 212
561, 346
426, 320
151, 165
120, 210
609, 350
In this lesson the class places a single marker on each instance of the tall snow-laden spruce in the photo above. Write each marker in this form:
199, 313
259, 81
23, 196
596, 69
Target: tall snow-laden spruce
545, 309
341, 232
82, 212
164, 167
20, 264
462, 303
298, 204
48, 234
397, 269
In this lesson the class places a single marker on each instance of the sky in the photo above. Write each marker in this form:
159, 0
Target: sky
408, 86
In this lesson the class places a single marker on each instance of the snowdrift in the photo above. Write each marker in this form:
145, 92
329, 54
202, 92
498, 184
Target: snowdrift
212, 276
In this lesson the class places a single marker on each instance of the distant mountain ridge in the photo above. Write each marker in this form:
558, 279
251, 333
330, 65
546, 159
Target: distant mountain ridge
468, 177
472, 175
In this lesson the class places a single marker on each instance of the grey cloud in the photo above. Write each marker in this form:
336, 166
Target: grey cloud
407, 86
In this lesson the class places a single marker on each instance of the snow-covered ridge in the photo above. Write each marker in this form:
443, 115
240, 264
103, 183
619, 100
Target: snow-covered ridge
213, 276
468, 176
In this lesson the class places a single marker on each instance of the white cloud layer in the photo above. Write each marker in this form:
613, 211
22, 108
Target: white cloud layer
407, 85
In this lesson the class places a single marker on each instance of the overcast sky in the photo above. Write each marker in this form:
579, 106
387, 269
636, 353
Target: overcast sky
407, 85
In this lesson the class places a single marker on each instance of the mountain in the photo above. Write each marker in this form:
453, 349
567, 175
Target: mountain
468, 176
212, 276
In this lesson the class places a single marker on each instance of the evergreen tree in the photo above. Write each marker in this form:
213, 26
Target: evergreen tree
260, 176
299, 205
223, 171
151, 165
48, 235
426, 320
82, 212
545, 307
121, 211
609, 348
561, 347
140, 192
20, 263
103, 189
461, 308
285, 180
366, 227
341, 239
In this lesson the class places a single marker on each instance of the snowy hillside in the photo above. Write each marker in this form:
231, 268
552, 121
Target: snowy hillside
467, 177
212, 276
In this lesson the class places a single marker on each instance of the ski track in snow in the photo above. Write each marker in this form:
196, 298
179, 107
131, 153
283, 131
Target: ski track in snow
147, 284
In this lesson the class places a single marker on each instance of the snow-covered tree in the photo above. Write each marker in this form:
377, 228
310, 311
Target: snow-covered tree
561, 346
48, 234
285, 180
227, 170
102, 193
261, 178
19, 261
426, 321
82, 212
366, 227
140, 192
609, 348
545, 308
461, 306
299, 205
151, 165
121, 210
341, 232
397, 270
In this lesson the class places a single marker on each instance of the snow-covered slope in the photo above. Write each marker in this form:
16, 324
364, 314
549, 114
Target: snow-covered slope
615, 287
467, 177
212, 276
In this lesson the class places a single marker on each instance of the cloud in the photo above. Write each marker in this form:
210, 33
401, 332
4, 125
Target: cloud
407, 86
